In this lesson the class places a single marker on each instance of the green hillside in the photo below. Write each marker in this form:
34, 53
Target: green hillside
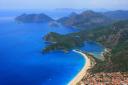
114, 37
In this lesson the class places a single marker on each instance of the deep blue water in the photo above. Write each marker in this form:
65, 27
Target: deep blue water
21, 60
93, 48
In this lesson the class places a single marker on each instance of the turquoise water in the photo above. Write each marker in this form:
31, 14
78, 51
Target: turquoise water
93, 48
21, 59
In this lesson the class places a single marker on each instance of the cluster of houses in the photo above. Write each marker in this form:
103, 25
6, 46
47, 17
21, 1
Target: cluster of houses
116, 78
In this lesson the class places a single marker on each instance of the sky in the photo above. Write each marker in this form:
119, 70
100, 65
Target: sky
53, 4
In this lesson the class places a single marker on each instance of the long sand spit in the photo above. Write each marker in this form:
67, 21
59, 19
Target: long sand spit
83, 71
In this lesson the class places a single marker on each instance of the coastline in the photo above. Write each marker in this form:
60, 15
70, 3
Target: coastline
83, 71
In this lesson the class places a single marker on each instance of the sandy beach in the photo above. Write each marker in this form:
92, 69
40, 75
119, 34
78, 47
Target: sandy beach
83, 72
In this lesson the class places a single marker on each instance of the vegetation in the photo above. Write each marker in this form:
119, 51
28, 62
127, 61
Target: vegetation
117, 15
85, 20
33, 18
62, 42
114, 37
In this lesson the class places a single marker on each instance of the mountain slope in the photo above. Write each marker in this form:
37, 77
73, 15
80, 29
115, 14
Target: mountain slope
33, 18
87, 19
117, 15
114, 37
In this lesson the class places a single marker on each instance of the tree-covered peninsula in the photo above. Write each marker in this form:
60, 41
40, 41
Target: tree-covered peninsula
62, 42
114, 37
33, 18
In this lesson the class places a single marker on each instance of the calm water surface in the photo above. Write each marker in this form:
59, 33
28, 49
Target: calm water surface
22, 61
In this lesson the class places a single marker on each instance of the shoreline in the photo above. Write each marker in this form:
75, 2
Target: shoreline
83, 71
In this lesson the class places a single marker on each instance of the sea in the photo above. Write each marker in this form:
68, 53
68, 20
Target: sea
22, 61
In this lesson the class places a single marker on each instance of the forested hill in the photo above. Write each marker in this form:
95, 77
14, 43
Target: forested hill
85, 20
90, 19
114, 37
33, 18
117, 15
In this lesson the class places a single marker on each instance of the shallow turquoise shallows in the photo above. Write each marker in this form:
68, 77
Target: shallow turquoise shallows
22, 61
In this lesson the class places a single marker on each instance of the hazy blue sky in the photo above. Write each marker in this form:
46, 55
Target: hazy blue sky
52, 4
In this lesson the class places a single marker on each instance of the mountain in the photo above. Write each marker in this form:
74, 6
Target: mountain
91, 19
117, 15
113, 37
33, 18
59, 42
87, 19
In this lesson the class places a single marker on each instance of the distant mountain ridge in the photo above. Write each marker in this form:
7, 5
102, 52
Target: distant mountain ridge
117, 15
33, 18
87, 19
91, 19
